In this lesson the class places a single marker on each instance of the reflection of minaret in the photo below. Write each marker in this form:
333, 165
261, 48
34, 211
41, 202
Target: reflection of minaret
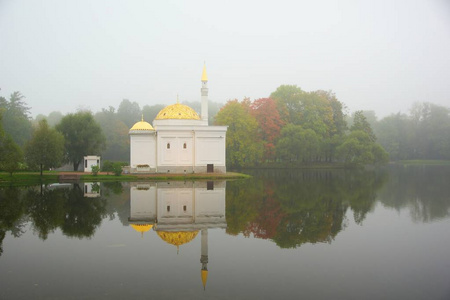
177, 211
204, 257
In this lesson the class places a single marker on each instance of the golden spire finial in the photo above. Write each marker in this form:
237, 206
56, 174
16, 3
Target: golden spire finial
142, 117
204, 76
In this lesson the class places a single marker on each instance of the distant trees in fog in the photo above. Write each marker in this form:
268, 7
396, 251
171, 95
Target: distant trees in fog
295, 127
291, 127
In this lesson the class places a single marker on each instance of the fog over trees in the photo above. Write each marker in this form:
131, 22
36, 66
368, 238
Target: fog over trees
291, 127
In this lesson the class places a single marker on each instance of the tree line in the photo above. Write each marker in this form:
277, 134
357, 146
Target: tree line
422, 133
290, 127
49, 141
295, 127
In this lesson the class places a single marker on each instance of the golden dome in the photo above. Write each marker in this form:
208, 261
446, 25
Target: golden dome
177, 238
142, 125
177, 111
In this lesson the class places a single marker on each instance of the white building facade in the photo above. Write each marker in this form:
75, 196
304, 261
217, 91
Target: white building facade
180, 141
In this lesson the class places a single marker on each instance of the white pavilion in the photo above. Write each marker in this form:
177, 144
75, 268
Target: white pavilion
180, 141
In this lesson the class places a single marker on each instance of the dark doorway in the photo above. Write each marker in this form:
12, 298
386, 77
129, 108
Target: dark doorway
210, 168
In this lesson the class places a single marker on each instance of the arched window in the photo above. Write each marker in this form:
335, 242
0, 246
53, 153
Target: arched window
184, 146
168, 145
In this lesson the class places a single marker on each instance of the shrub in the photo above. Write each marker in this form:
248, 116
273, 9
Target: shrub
108, 166
95, 170
117, 168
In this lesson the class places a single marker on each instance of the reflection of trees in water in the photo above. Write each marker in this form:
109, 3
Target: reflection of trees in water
82, 215
66, 209
425, 190
49, 209
118, 195
11, 213
293, 207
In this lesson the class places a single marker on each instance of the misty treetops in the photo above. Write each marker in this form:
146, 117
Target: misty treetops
291, 127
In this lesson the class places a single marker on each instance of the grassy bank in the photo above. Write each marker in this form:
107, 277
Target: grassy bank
424, 162
296, 165
30, 178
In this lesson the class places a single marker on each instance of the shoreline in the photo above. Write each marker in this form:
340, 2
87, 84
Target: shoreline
27, 178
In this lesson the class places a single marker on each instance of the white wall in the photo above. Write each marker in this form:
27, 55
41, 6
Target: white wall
177, 155
142, 150
210, 148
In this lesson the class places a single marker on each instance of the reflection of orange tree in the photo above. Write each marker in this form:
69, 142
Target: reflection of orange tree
266, 223
299, 207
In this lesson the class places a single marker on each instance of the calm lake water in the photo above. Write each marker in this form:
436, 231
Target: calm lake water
280, 235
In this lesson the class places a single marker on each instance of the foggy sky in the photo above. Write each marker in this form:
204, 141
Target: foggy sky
375, 55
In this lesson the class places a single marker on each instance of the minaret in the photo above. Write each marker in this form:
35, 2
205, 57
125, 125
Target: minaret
204, 257
204, 91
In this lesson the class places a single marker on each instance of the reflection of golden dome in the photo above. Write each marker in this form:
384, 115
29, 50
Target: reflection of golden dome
142, 125
142, 227
177, 111
177, 238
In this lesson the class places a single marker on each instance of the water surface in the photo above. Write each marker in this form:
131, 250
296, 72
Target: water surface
282, 234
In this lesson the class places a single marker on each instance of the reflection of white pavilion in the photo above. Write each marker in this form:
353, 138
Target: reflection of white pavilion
91, 189
177, 211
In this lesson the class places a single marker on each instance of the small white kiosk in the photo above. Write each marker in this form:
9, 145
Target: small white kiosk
90, 161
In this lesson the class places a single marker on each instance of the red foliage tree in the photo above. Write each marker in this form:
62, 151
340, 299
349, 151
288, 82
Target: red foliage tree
270, 123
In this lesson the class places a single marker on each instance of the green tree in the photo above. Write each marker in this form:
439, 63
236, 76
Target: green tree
243, 147
395, 135
82, 136
129, 112
358, 149
46, 147
10, 155
16, 121
297, 144
360, 123
288, 98
117, 145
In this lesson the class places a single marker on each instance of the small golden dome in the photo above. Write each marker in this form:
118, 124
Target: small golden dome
142, 125
177, 111
177, 238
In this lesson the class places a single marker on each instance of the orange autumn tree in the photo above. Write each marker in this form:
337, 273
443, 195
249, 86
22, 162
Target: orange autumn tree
270, 123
